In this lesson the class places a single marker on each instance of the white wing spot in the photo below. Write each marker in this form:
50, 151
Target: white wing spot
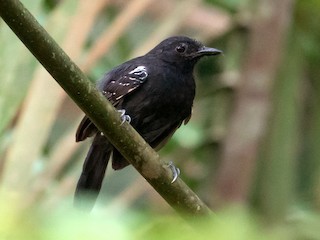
138, 70
119, 97
140, 73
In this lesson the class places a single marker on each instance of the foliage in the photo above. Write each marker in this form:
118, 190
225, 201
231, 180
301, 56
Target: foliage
66, 223
40, 162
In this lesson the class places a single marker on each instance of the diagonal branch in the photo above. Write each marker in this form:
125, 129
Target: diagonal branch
100, 111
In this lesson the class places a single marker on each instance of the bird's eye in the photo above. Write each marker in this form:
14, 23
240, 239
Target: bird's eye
181, 48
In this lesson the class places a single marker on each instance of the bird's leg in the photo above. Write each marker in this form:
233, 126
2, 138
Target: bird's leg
175, 171
124, 117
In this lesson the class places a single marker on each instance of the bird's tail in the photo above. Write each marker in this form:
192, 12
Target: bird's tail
92, 175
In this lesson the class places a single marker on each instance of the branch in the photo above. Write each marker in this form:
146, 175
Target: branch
249, 120
130, 144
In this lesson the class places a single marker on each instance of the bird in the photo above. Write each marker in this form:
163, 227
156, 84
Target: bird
155, 93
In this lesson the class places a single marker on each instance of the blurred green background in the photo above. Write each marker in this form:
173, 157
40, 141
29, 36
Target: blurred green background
251, 150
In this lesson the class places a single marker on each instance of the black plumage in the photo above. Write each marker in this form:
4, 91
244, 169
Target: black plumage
156, 90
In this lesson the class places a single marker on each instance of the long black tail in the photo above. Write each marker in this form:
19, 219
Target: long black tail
92, 175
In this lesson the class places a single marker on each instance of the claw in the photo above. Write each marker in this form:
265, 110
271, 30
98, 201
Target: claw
124, 117
175, 171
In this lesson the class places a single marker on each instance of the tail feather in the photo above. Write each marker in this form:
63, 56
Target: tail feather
93, 172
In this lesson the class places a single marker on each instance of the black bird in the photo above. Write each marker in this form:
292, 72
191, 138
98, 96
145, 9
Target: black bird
154, 92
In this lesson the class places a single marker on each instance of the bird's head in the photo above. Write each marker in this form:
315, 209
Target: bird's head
182, 50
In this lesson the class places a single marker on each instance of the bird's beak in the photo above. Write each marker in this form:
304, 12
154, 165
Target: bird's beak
204, 51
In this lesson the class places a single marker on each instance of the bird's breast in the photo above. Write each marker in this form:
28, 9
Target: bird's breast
165, 96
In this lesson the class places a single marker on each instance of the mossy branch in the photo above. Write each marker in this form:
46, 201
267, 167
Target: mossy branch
130, 144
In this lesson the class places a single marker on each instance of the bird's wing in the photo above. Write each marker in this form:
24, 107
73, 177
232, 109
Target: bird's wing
85, 129
120, 83
114, 86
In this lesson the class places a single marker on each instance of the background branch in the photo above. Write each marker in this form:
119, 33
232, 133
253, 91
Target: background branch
249, 120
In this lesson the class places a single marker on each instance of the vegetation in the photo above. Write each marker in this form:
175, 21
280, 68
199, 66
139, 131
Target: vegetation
250, 151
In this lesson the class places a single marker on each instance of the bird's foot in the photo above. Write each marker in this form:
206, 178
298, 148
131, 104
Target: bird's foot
175, 171
124, 117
